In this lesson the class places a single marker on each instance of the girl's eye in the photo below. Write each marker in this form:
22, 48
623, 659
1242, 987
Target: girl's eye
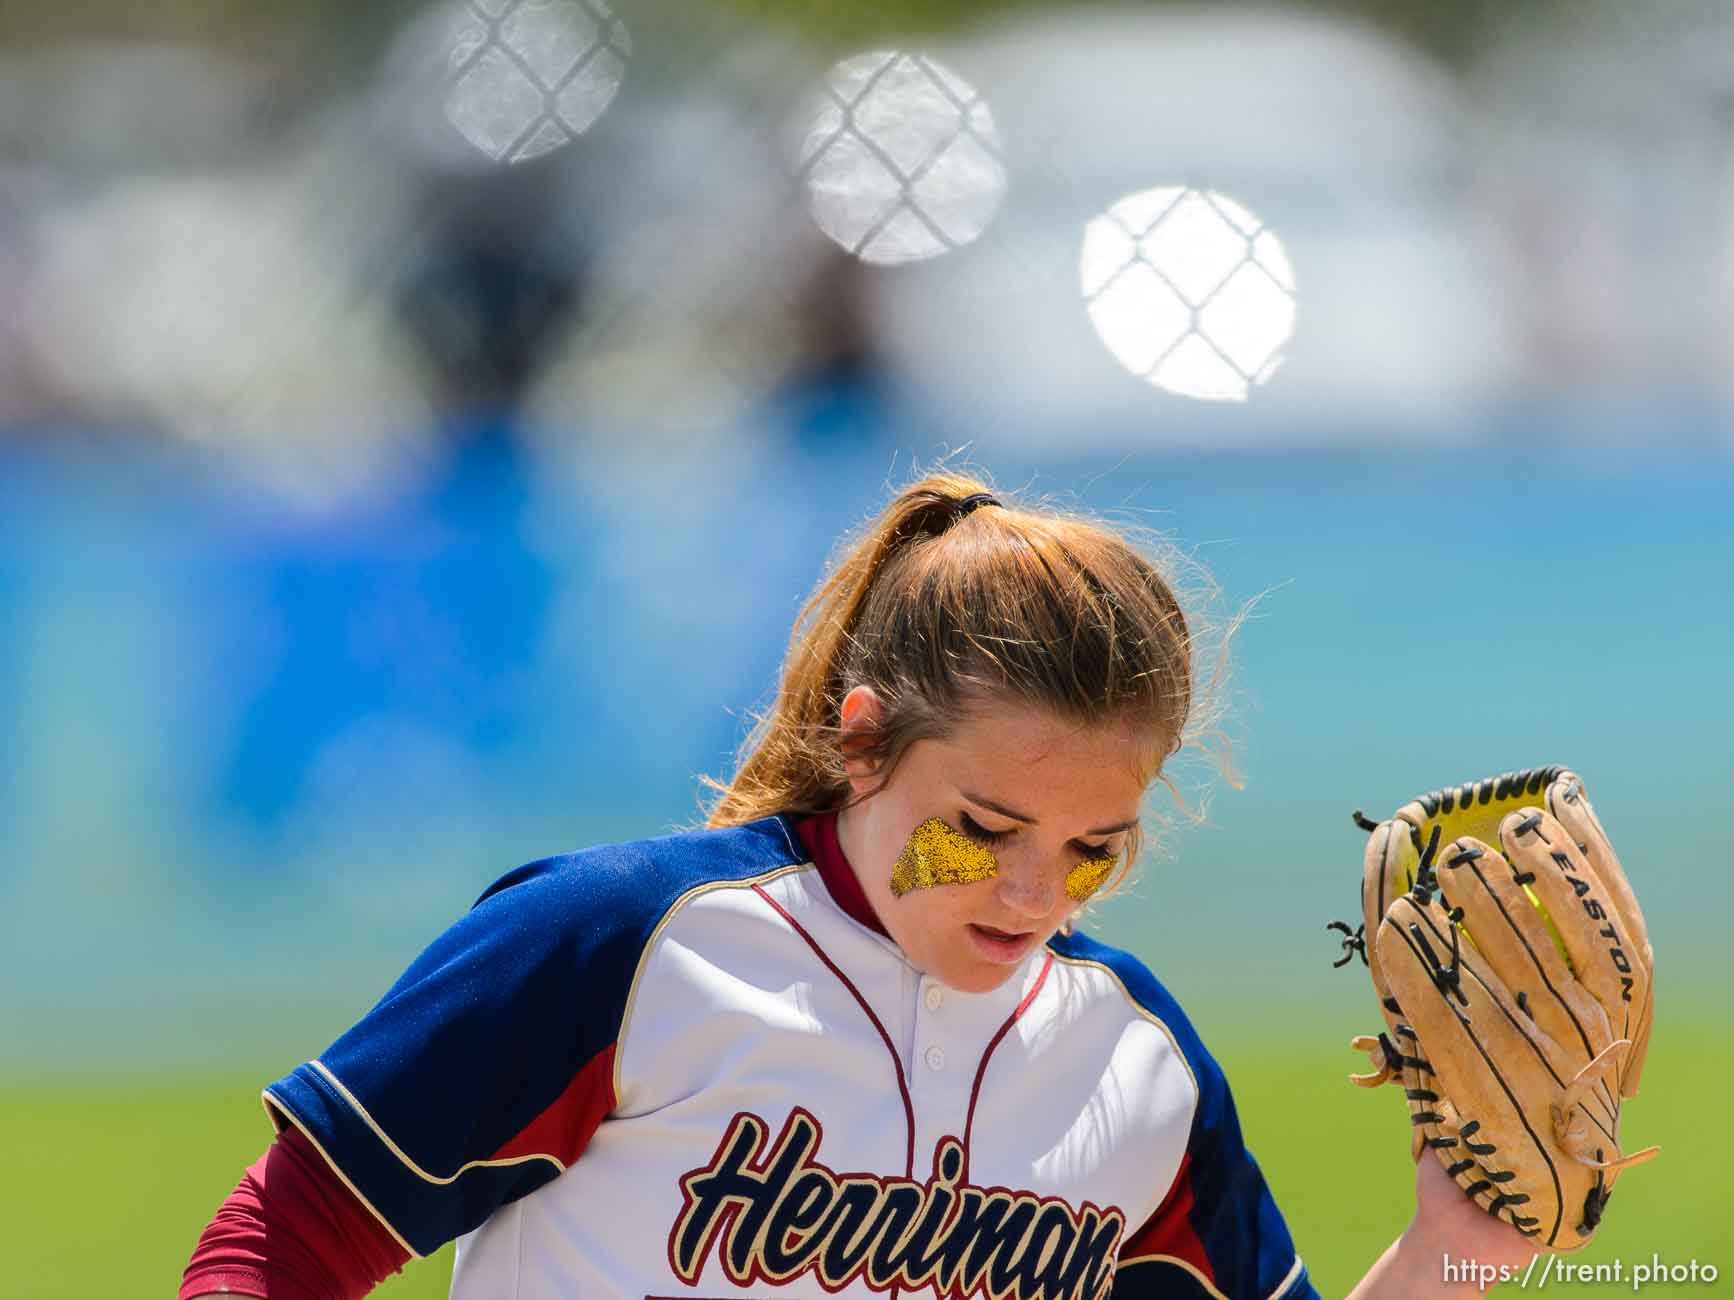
1094, 850
979, 833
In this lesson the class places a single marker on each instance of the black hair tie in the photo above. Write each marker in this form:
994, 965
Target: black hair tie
974, 501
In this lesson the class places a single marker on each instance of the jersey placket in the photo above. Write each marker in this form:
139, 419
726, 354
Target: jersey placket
948, 1041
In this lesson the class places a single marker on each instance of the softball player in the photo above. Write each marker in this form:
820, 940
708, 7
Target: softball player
844, 1039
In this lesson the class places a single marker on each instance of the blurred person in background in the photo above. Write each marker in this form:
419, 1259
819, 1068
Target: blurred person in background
426, 605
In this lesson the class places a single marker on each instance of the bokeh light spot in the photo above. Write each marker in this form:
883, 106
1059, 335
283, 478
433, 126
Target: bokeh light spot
900, 158
1189, 291
526, 77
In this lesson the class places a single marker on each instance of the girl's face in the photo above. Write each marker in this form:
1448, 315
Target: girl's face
1041, 794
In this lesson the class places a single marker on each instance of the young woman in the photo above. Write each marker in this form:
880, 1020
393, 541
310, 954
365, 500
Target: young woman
846, 1038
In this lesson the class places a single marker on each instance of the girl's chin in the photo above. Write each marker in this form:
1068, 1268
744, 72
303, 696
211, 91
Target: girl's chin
974, 976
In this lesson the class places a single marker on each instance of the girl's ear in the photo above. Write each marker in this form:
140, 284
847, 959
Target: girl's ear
862, 717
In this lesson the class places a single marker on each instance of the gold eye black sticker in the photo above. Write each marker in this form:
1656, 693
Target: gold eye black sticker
938, 855
1087, 877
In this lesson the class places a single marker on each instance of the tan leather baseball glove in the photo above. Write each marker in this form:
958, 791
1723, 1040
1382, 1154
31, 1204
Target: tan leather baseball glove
1515, 974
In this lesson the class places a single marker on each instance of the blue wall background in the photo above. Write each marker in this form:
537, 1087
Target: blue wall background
251, 759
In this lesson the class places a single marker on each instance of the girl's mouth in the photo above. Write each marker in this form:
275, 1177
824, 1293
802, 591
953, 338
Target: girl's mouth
1000, 946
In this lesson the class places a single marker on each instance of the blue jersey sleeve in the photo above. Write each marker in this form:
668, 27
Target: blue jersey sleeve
1217, 1233
483, 1072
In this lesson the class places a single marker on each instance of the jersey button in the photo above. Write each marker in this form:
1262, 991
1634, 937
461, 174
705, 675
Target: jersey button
933, 997
935, 1058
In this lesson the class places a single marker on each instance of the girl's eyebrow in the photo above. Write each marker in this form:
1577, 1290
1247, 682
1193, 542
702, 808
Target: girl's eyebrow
1000, 808
1027, 820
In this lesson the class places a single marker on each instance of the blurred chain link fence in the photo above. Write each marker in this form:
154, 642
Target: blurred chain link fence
1088, 215
528, 76
902, 161
1189, 291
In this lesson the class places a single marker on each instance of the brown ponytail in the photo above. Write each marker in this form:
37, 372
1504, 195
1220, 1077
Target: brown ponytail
942, 609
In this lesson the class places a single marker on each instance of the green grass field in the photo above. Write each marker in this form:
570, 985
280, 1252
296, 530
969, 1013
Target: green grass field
107, 1184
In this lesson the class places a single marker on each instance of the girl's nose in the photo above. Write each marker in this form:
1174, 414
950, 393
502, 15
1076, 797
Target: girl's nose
1025, 888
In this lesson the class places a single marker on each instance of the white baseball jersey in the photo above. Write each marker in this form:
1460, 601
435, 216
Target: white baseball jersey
680, 1068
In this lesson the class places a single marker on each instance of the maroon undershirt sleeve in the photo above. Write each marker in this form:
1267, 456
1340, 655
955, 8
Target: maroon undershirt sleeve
291, 1230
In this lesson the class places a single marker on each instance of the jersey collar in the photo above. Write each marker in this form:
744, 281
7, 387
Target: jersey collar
819, 835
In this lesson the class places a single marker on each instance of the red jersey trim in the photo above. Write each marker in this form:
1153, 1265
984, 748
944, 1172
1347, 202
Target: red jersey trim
1168, 1233
565, 1128
896, 1061
819, 836
981, 1067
